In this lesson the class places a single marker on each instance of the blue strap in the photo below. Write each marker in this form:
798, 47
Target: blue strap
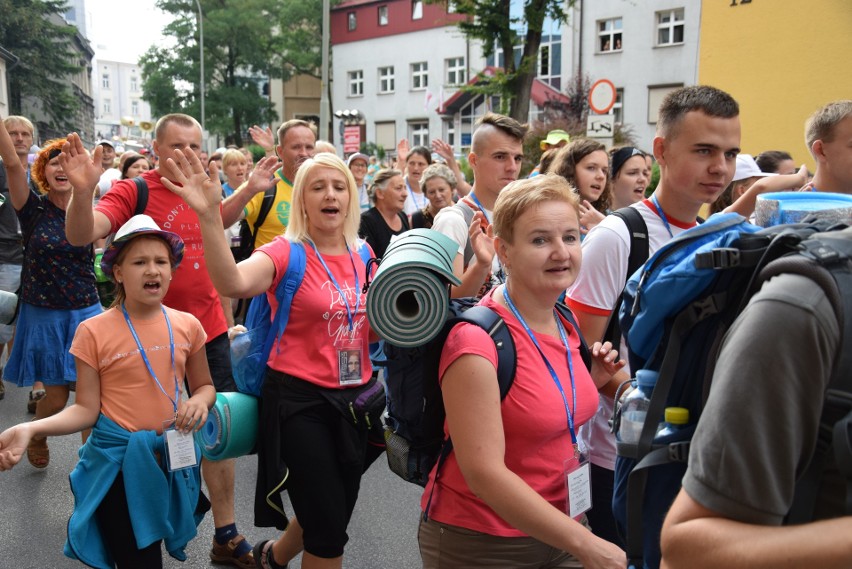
284, 294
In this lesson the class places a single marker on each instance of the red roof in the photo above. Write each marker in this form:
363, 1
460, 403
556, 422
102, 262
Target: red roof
541, 92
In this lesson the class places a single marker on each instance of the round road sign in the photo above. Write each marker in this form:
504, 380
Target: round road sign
602, 96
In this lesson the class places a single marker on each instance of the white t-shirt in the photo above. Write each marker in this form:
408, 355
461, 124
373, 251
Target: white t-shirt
414, 201
107, 178
606, 250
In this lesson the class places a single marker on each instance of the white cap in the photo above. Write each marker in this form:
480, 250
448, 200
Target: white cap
748, 168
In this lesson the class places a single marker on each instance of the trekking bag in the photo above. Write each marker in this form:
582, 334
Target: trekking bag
414, 422
248, 236
675, 314
250, 350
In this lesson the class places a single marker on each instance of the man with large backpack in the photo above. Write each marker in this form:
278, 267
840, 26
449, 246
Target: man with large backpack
776, 378
697, 142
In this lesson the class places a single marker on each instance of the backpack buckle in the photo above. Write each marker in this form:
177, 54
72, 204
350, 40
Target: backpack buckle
717, 259
679, 452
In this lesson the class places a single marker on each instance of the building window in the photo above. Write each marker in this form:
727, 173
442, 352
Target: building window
356, 83
105, 81
107, 106
419, 75
609, 35
416, 9
456, 71
383, 15
670, 27
134, 108
386, 134
618, 107
419, 133
386, 80
656, 94
134, 83
352, 21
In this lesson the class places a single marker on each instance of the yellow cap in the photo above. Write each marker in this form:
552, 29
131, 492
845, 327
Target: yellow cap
677, 415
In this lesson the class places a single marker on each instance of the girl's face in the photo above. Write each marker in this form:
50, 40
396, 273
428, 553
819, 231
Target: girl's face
415, 164
137, 168
628, 186
439, 193
544, 258
326, 200
57, 181
394, 194
235, 173
145, 271
590, 175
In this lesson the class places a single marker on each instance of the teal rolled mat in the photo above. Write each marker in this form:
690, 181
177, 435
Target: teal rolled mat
408, 299
231, 427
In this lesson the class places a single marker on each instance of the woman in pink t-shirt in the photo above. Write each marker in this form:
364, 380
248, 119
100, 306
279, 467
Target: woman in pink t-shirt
515, 488
307, 443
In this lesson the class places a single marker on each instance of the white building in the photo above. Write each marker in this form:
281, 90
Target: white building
646, 49
7, 59
117, 88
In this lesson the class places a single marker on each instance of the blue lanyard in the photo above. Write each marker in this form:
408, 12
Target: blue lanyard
148, 363
661, 213
350, 314
479, 205
413, 195
564, 338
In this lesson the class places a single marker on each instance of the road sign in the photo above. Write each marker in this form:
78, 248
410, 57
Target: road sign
351, 139
600, 126
602, 96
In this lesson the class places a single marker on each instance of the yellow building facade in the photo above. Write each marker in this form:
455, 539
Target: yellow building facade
781, 60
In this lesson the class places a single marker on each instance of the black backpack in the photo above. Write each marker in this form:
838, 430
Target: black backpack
675, 315
248, 236
414, 423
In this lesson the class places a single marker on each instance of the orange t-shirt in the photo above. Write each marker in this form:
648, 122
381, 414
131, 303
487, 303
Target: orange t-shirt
129, 395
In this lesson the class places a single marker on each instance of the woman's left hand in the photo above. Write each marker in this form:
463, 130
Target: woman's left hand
605, 363
589, 216
188, 180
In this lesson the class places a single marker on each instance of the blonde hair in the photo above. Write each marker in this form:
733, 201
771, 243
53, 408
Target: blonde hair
297, 228
231, 156
521, 195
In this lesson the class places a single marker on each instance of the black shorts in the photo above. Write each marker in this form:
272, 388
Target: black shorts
219, 361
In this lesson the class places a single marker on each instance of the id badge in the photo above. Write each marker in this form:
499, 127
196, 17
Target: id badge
349, 354
578, 481
180, 449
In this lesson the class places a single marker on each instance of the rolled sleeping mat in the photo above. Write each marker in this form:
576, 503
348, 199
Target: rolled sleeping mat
775, 208
408, 299
231, 427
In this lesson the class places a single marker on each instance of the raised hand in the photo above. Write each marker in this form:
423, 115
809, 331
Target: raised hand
589, 216
481, 243
83, 171
443, 150
402, 150
261, 137
605, 362
201, 192
263, 175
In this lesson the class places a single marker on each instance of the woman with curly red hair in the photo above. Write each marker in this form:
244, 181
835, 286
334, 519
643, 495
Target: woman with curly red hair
57, 284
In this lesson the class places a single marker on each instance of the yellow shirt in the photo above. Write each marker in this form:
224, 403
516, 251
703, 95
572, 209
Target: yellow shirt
279, 216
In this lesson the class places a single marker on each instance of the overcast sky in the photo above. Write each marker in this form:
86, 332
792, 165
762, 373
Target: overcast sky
122, 30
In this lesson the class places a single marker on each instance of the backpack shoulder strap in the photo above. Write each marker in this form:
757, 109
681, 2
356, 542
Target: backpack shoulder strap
585, 352
639, 253
285, 291
492, 323
265, 207
141, 195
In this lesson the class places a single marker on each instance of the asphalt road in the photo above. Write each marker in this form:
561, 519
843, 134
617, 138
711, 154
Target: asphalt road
35, 506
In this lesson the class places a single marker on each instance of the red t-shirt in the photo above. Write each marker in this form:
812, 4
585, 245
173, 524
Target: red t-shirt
191, 289
318, 317
535, 425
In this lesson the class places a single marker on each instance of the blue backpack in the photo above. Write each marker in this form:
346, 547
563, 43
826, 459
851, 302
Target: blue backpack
250, 351
675, 313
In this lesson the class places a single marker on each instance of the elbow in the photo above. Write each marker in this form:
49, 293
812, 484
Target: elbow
482, 480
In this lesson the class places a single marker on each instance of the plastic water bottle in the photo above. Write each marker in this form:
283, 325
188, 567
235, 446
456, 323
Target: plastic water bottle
634, 407
676, 419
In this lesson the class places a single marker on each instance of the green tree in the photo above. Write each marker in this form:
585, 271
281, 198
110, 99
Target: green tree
34, 31
492, 23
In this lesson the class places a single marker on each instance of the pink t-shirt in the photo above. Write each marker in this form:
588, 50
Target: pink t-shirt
535, 423
191, 289
129, 395
318, 321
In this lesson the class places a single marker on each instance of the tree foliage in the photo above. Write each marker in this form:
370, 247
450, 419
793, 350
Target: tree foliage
246, 42
491, 22
34, 31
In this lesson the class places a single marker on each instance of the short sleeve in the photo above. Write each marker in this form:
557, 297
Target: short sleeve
278, 250
84, 347
605, 253
466, 339
450, 222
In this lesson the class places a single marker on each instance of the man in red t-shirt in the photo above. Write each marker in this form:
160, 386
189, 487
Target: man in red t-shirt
191, 289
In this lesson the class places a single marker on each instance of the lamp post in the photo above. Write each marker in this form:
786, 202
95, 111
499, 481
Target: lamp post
201, 49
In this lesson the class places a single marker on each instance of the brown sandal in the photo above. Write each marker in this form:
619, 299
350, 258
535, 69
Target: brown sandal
38, 454
224, 553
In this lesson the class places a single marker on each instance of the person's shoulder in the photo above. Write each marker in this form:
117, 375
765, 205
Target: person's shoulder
450, 214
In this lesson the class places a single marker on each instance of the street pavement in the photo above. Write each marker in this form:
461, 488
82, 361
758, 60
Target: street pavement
35, 506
